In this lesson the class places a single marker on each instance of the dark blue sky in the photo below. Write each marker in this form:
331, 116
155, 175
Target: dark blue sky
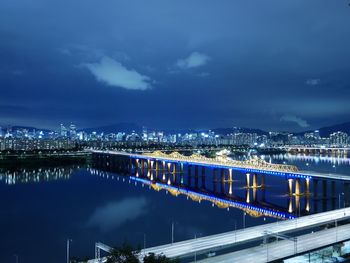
199, 64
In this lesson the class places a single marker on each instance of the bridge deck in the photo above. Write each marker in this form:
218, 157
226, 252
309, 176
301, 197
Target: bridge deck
328, 176
299, 174
285, 248
214, 242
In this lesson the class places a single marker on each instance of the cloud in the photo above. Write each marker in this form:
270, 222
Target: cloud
295, 119
194, 60
313, 82
203, 74
113, 73
115, 214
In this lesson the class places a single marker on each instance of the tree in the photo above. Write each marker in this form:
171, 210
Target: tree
126, 254
123, 254
152, 258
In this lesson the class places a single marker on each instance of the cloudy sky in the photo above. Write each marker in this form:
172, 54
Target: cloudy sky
172, 64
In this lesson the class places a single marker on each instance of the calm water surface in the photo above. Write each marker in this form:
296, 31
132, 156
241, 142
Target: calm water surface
42, 207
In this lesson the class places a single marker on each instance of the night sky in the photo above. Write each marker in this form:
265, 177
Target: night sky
268, 64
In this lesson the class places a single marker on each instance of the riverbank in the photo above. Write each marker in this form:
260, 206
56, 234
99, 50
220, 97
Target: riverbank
48, 158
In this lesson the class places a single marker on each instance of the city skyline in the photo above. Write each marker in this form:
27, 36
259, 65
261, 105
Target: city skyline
129, 126
164, 66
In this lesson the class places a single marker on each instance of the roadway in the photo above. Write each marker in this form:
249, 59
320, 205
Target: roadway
285, 248
219, 241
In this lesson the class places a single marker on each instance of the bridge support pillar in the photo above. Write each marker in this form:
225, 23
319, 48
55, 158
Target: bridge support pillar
297, 204
333, 189
163, 176
297, 187
169, 167
222, 181
315, 192
174, 172
196, 176
346, 195
203, 177
230, 181
189, 175
290, 205
214, 180
307, 203
137, 167
169, 180
248, 180
290, 186
247, 197
181, 178
324, 186
263, 179
307, 186
142, 167
255, 181
214, 175
254, 194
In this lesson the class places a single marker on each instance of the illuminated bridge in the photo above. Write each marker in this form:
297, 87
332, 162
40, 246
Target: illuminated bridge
249, 166
256, 170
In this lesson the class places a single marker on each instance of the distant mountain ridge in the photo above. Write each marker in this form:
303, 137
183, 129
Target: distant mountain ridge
29, 128
130, 127
114, 128
225, 131
326, 131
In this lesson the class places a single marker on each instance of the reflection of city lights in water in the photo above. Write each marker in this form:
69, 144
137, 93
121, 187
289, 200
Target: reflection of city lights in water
334, 160
36, 175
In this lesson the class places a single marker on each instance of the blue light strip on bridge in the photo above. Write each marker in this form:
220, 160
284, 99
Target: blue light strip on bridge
246, 170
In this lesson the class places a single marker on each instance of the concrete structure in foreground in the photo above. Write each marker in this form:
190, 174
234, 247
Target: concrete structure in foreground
229, 239
220, 241
285, 248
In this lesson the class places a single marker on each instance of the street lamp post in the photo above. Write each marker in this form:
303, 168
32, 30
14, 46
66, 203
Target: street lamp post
339, 199
336, 230
235, 230
244, 214
68, 248
195, 252
172, 232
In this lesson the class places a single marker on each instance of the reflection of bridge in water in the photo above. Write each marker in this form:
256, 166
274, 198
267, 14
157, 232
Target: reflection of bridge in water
23, 176
254, 207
